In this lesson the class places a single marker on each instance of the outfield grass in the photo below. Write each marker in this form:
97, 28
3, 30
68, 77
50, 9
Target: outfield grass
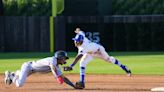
138, 62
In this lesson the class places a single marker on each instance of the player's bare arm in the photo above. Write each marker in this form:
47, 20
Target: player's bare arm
67, 81
61, 79
69, 68
54, 72
78, 57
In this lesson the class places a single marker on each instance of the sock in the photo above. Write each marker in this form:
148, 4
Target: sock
82, 74
116, 62
125, 68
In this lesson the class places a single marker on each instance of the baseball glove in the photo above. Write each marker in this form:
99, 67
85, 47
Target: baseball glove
67, 68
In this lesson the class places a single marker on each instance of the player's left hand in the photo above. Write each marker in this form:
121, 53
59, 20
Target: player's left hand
67, 68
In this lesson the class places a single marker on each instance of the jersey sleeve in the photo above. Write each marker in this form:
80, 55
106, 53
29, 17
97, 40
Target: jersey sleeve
54, 64
59, 72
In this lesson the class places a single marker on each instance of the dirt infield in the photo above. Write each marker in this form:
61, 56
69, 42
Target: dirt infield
94, 83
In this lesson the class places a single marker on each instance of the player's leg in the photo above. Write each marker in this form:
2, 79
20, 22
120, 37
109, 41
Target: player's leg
104, 55
84, 61
20, 76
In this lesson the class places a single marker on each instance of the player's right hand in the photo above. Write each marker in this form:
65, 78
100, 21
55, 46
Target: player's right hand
67, 68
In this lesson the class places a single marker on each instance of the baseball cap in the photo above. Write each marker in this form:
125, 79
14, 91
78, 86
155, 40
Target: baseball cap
78, 38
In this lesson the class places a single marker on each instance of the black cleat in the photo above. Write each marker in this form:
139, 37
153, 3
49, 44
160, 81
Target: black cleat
8, 79
127, 70
80, 85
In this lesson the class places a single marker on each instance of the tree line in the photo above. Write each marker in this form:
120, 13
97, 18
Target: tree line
27, 7
137, 7
43, 7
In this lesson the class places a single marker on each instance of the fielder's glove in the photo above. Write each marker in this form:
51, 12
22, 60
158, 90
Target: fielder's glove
79, 85
67, 68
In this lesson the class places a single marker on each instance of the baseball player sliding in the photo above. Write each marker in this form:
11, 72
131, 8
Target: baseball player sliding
86, 51
49, 64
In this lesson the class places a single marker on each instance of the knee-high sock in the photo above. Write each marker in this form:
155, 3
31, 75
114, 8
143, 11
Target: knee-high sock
116, 62
82, 74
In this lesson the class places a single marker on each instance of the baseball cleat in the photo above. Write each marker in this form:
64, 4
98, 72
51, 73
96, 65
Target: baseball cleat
8, 80
129, 73
127, 70
80, 85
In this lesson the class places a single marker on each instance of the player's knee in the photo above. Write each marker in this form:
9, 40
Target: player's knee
17, 72
112, 59
82, 64
26, 65
18, 84
84, 60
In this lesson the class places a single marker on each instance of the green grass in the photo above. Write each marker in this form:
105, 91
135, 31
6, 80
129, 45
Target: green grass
139, 62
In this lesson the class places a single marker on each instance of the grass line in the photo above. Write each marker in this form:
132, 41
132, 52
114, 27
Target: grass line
139, 62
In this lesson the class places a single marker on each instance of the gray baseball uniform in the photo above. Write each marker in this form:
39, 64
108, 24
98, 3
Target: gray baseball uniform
42, 66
